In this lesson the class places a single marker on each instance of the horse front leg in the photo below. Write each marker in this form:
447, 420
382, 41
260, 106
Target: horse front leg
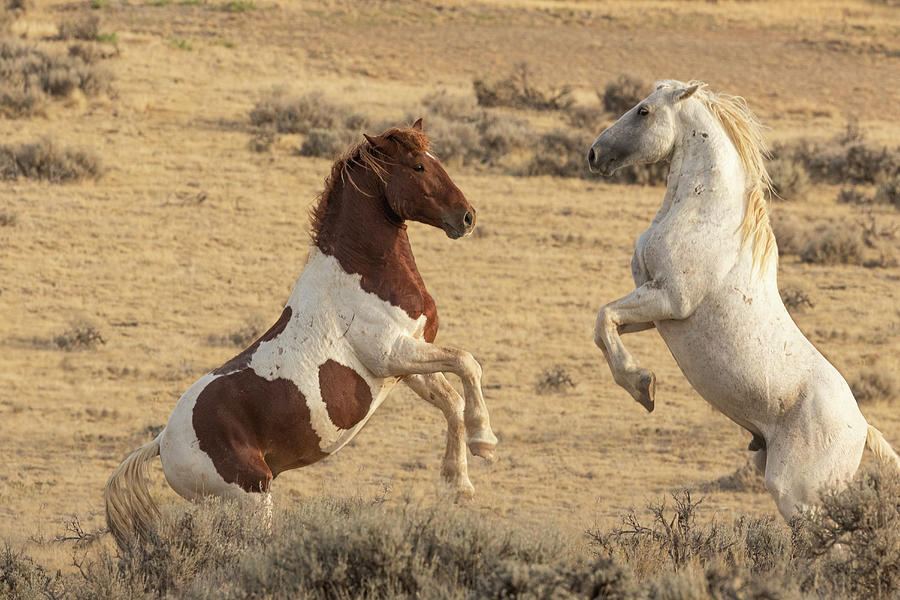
437, 391
635, 312
414, 356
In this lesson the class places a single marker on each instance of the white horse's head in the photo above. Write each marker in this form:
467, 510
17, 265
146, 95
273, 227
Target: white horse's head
645, 134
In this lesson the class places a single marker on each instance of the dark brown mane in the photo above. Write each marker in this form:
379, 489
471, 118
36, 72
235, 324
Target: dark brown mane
363, 155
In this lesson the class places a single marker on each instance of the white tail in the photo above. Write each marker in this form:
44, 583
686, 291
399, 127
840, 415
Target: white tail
129, 506
880, 448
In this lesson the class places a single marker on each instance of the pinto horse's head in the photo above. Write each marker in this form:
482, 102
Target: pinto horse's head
645, 134
416, 186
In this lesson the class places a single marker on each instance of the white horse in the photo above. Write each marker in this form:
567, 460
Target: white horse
705, 277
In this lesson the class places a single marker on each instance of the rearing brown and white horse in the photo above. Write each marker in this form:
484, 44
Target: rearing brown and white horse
358, 321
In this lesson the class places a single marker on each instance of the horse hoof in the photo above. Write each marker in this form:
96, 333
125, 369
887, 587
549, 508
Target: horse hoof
646, 388
484, 450
465, 496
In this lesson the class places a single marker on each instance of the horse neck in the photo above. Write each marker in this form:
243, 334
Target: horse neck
361, 234
706, 169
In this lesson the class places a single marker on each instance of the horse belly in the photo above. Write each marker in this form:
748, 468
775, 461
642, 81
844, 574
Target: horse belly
747, 364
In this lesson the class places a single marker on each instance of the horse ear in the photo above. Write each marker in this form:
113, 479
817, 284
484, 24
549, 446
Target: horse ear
685, 93
375, 142
418, 124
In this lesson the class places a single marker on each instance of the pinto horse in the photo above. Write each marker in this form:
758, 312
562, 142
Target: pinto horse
705, 277
358, 321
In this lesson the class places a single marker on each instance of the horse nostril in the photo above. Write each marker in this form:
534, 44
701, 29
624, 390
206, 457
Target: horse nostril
591, 156
469, 218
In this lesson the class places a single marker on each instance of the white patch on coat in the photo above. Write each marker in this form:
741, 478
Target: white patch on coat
329, 308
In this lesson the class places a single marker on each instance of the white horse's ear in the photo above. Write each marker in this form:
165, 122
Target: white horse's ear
685, 93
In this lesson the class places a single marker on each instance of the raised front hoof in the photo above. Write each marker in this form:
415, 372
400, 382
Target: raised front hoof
485, 450
645, 392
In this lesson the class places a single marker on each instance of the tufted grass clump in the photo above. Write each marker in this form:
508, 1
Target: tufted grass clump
46, 160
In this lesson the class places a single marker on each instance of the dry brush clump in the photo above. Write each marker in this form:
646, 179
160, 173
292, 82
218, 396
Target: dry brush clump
875, 386
518, 91
846, 159
30, 75
328, 127
46, 160
790, 180
623, 93
351, 548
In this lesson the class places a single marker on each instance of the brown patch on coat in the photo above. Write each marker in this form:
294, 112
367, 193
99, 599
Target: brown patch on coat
253, 429
346, 394
242, 360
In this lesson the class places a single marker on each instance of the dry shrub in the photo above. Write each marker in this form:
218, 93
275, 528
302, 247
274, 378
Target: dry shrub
830, 245
851, 544
28, 75
889, 192
517, 91
673, 540
555, 380
853, 195
80, 335
86, 27
8, 219
789, 179
465, 134
351, 548
23, 579
790, 235
624, 92
48, 161
875, 385
452, 106
301, 114
561, 153
586, 117
795, 299
846, 159
325, 143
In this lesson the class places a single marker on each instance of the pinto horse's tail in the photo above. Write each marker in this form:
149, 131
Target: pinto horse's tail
129, 507
880, 448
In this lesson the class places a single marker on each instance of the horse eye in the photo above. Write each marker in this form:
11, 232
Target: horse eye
419, 168
643, 111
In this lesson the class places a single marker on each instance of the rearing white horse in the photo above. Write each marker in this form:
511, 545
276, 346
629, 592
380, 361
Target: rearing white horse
705, 277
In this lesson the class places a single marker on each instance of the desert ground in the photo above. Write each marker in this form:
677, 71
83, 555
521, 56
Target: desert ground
191, 237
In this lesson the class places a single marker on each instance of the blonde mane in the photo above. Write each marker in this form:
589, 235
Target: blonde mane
745, 132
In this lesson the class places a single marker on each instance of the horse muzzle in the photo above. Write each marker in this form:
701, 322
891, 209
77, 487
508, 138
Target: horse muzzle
459, 223
604, 163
